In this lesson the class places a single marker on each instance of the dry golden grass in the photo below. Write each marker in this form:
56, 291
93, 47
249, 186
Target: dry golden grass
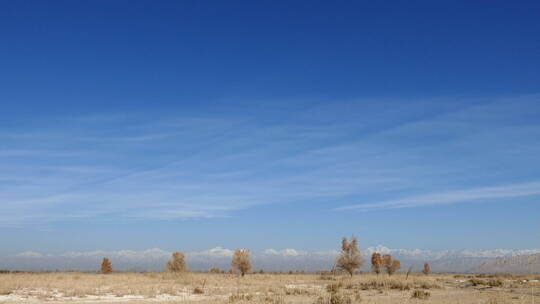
265, 288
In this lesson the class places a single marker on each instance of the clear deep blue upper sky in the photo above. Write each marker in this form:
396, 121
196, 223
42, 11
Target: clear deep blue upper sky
269, 124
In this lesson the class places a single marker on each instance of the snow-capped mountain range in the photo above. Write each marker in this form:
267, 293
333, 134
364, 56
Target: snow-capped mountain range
268, 259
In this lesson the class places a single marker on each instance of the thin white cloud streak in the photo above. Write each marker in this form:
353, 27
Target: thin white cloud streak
453, 197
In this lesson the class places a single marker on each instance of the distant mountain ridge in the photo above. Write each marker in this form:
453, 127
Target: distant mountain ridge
514, 264
483, 261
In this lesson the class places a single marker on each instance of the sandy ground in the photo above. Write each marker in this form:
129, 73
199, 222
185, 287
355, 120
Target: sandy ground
265, 288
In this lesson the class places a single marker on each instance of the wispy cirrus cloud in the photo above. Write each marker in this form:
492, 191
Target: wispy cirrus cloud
172, 166
453, 197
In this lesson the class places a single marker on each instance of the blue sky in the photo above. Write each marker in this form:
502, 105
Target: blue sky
191, 125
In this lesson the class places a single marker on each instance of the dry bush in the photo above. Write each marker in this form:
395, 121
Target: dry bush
275, 299
490, 282
240, 297
326, 276
216, 270
177, 262
420, 294
476, 282
350, 257
241, 261
376, 262
427, 269
337, 298
198, 290
334, 287
384, 284
106, 266
396, 283
297, 292
495, 283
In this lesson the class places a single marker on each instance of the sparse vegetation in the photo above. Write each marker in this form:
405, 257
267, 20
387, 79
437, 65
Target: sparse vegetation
269, 288
241, 261
350, 258
106, 266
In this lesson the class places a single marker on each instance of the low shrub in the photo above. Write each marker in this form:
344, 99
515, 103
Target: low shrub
383, 284
275, 299
420, 294
296, 292
334, 287
396, 283
216, 270
327, 277
477, 282
240, 297
495, 282
490, 282
334, 299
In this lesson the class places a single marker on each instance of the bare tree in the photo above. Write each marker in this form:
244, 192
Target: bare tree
408, 273
106, 266
396, 265
350, 258
427, 269
177, 262
376, 262
241, 261
390, 264
387, 262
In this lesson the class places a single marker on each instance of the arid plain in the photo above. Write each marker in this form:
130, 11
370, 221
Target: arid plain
272, 288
